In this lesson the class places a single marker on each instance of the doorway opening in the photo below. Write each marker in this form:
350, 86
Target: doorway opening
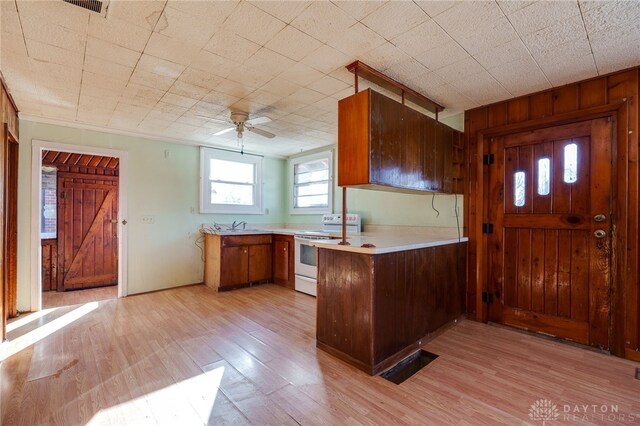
78, 232
79, 217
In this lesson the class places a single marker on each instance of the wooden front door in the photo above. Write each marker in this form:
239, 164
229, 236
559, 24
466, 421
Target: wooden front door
87, 231
550, 250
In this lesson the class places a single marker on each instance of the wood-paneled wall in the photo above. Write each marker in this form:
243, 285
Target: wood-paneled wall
50, 264
614, 95
8, 205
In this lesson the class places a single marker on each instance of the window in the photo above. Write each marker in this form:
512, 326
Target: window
311, 178
571, 163
230, 182
519, 182
544, 176
49, 203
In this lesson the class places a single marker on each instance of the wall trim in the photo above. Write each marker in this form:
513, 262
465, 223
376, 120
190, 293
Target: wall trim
37, 146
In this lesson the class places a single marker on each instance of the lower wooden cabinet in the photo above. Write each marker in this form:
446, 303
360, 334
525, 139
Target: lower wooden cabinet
237, 260
283, 260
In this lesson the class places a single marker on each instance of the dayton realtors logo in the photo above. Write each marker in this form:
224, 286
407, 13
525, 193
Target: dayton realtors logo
545, 411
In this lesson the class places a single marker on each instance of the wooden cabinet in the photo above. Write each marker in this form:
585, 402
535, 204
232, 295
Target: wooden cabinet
237, 260
375, 309
383, 144
283, 260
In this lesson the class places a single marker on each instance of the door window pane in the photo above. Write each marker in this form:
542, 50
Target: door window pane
544, 176
571, 163
519, 181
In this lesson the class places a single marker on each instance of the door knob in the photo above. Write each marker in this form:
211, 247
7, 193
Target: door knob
600, 217
600, 233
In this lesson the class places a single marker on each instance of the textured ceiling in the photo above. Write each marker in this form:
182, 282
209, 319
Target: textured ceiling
157, 67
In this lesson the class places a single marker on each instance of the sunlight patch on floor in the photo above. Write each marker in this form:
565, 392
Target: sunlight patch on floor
14, 346
26, 319
167, 405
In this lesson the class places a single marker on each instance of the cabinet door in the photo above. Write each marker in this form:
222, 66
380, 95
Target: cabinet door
281, 252
234, 268
388, 135
260, 262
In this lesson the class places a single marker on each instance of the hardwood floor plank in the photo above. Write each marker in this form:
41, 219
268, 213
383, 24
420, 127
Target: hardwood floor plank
194, 356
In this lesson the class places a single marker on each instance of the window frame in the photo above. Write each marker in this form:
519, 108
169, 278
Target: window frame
292, 193
207, 154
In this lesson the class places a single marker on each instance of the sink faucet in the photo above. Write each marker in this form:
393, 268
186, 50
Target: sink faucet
235, 226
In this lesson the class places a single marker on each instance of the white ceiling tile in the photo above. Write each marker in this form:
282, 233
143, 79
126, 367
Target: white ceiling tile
102, 85
306, 96
520, 77
301, 74
511, 6
577, 69
143, 14
223, 100
426, 36
326, 59
263, 97
196, 77
215, 12
165, 108
286, 11
246, 105
612, 15
101, 119
232, 88
112, 52
394, 18
150, 79
90, 104
408, 70
358, 9
108, 68
45, 32
249, 77
253, 24
136, 94
435, 7
293, 43
383, 57
496, 33
171, 49
189, 90
159, 66
56, 75
323, 21
511, 51
56, 13
9, 19
460, 70
47, 53
190, 29
441, 56
328, 85
183, 101
557, 34
60, 113
356, 40
268, 61
153, 125
466, 18
564, 53
280, 86
210, 62
118, 32
231, 46
482, 88
543, 14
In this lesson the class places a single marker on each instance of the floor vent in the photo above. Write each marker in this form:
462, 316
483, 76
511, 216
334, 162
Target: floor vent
408, 366
92, 5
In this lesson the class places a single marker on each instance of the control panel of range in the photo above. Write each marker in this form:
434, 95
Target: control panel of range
333, 223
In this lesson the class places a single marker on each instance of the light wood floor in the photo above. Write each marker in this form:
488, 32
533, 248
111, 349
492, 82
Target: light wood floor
53, 299
190, 356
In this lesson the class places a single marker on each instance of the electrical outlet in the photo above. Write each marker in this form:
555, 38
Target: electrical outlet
148, 220
193, 210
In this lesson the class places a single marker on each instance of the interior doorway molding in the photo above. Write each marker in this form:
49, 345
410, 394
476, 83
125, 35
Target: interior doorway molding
37, 147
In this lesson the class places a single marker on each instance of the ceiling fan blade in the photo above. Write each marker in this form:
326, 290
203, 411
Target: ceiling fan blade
258, 120
221, 132
261, 132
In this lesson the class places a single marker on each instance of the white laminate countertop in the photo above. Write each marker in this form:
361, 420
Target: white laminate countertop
388, 243
253, 231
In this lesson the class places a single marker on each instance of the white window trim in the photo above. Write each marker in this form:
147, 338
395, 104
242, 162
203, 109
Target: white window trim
304, 159
211, 153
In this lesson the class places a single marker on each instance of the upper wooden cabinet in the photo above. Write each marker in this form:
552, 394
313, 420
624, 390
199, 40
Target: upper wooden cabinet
383, 144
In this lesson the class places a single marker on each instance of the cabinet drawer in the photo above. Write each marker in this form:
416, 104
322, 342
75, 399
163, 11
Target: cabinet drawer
245, 240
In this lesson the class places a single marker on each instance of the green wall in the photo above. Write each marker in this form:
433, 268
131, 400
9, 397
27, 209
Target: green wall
162, 254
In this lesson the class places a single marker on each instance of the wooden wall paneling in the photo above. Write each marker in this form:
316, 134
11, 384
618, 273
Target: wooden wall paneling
49, 264
11, 225
614, 95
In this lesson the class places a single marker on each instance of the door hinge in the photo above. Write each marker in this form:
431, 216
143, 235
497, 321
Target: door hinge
487, 228
488, 159
487, 298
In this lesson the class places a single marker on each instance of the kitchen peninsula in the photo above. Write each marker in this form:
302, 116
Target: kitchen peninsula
376, 304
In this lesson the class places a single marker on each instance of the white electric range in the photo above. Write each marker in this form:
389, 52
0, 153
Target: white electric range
306, 265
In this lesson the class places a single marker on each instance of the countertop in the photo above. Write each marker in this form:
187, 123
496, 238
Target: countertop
388, 243
253, 231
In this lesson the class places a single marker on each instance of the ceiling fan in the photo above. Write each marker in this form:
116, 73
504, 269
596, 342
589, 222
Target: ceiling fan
241, 122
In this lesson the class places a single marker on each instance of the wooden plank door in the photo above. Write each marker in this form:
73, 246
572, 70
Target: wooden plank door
550, 250
87, 231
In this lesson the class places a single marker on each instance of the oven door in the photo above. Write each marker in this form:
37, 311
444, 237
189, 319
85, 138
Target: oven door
306, 259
